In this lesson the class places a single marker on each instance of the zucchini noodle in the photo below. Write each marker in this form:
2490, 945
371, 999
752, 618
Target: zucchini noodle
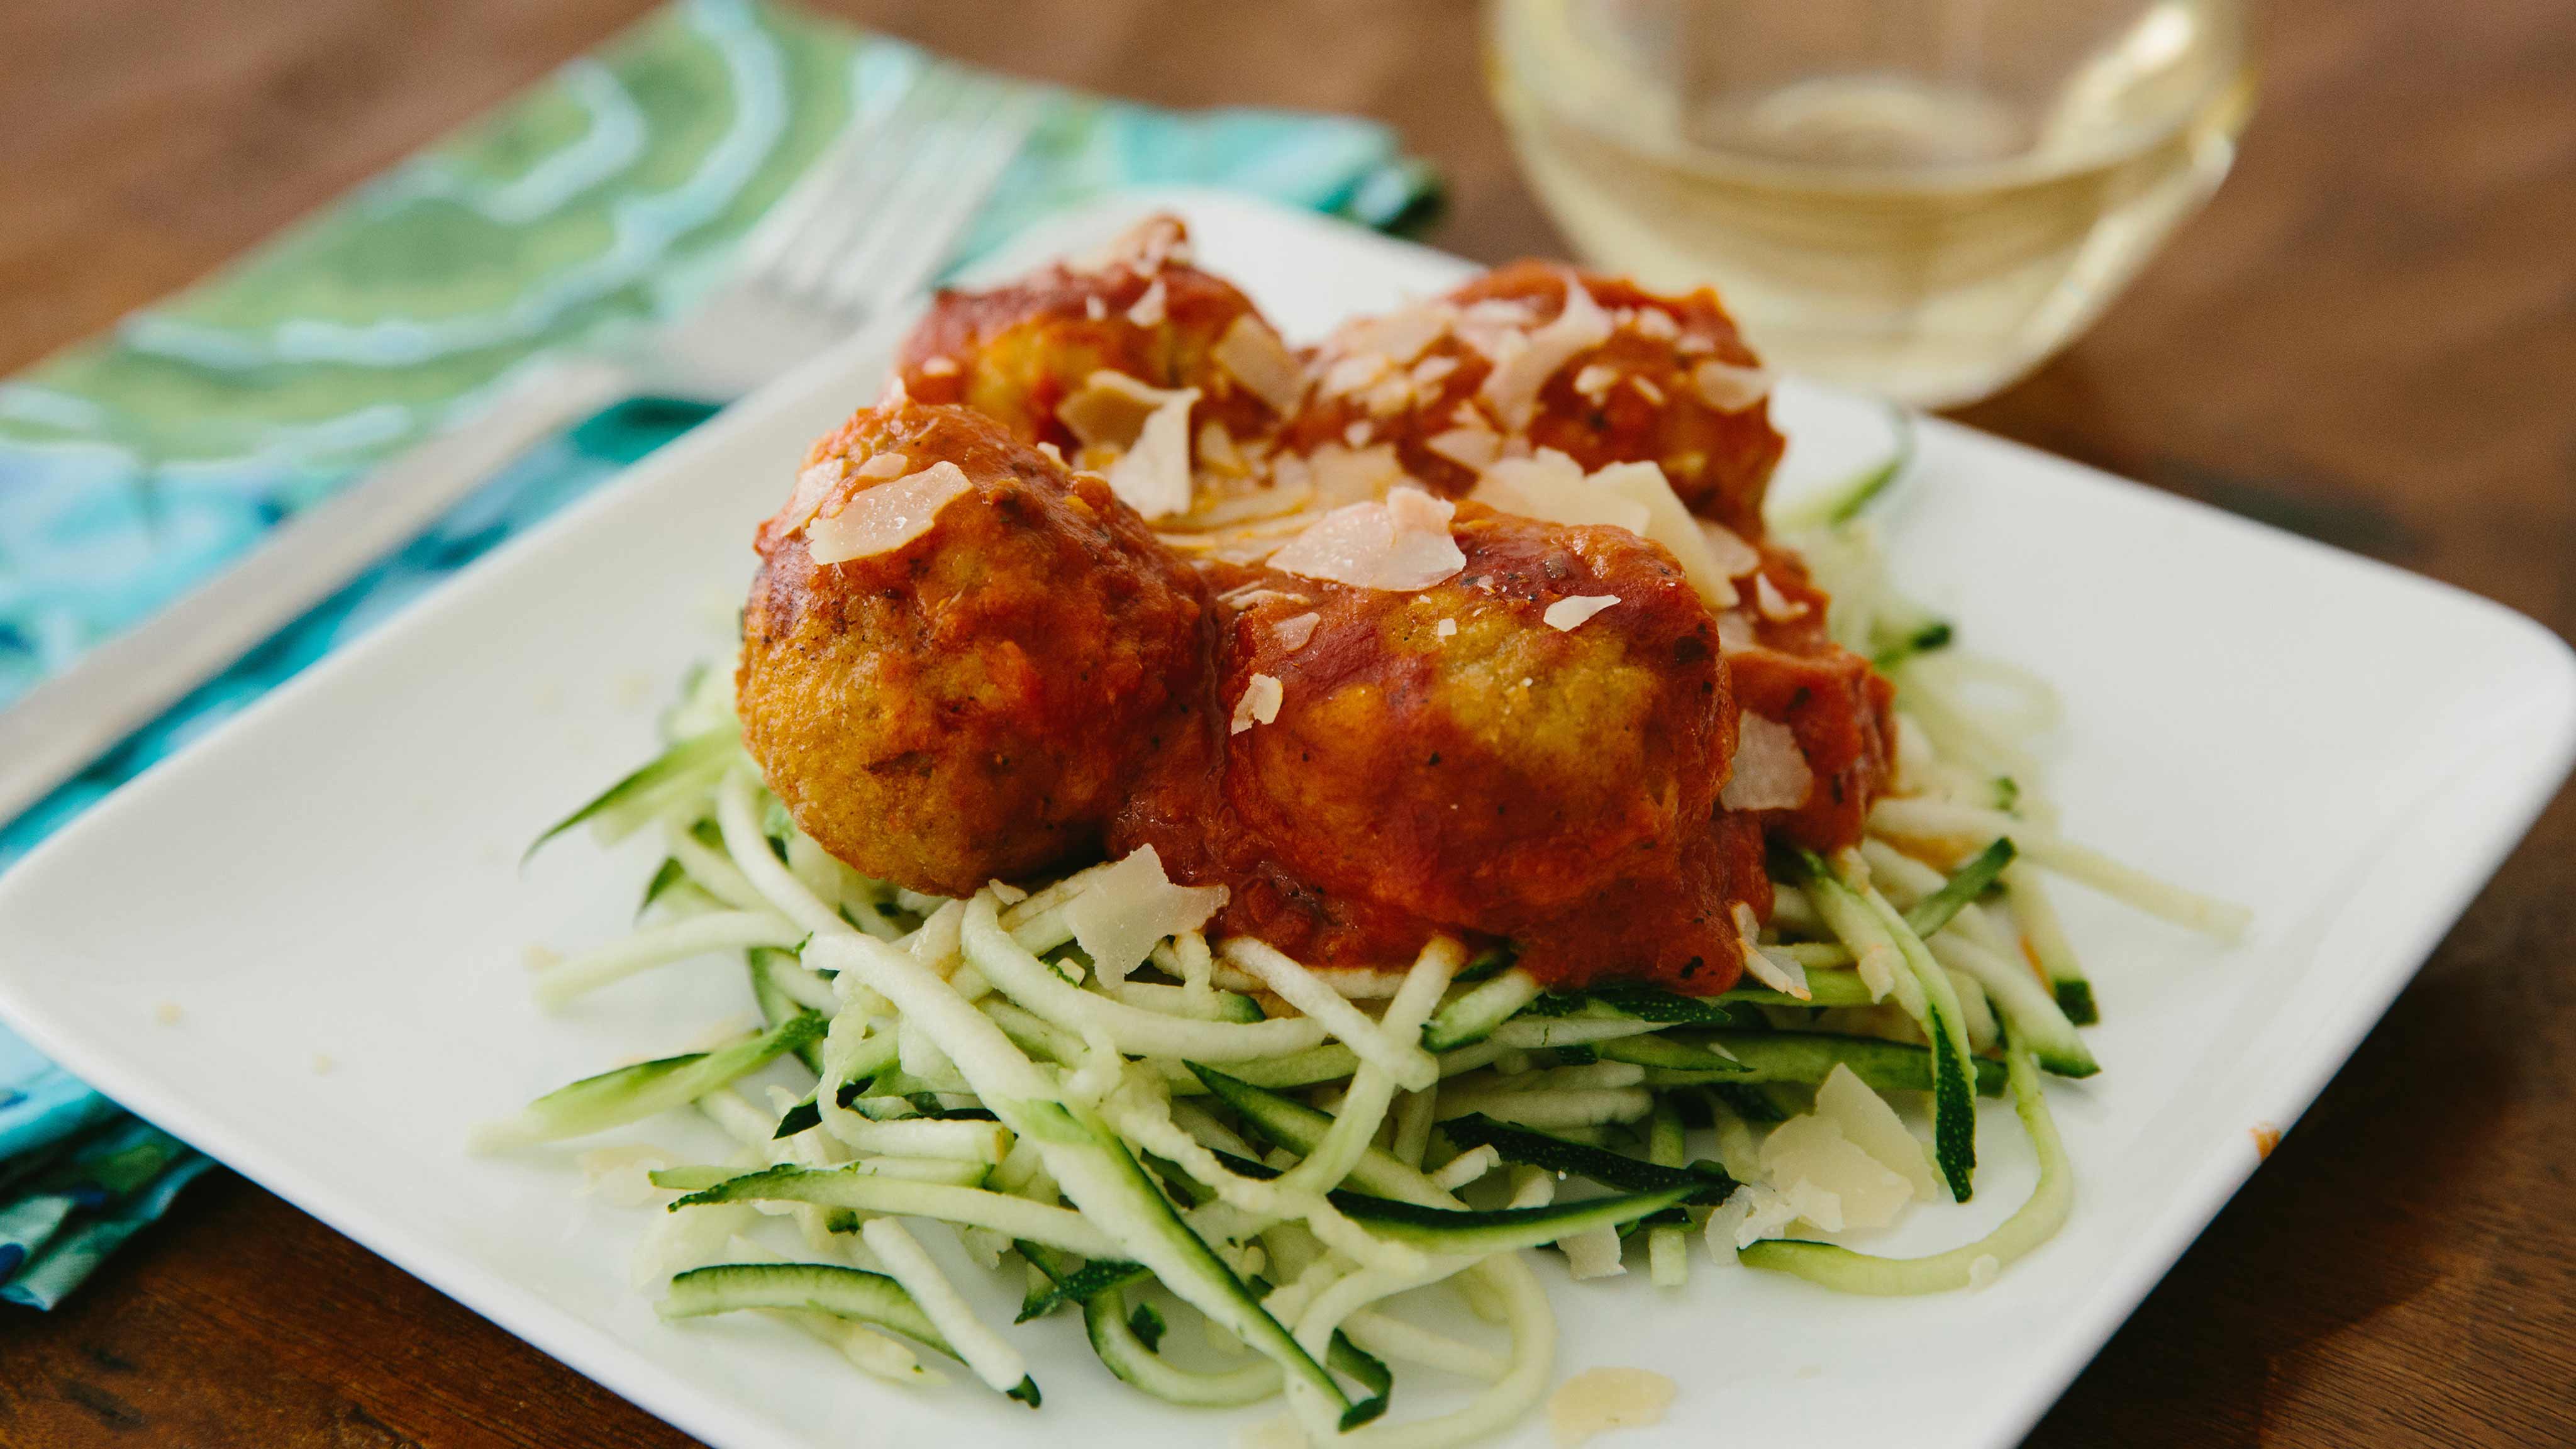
1181, 1135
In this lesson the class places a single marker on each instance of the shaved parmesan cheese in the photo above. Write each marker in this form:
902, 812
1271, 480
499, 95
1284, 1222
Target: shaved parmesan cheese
1645, 385
1594, 1252
1153, 477
1148, 311
1255, 593
1521, 370
1053, 454
883, 466
939, 367
1596, 1401
1094, 308
1401, 544
1551, 486
1431, 369
886, 517
1259, 704
1130, 905
1350, 374
1357, 434
1734, 632
1261, 362
1144, 247
1754, 1211
1774, 605
813, 486
1471, 448
1727, 549
1729, 388
1338, 475
1670, 524
1810, 1153
1398, 336
1292, 633
1657, 323
1110, 409
1595, 380
1781, 973
1871, 1125
1392, 395
1446, 628
1217, 452
1568, 614
1770, 770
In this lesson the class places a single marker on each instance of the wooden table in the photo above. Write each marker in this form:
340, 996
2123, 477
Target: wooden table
2370, 336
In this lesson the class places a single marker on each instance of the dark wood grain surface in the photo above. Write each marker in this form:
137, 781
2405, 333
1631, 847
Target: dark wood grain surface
2370, 336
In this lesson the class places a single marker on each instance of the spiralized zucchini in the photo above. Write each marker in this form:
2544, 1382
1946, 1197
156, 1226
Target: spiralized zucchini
1225, 1135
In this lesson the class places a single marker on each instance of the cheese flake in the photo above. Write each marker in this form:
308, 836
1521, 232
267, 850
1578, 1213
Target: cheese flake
1153, 477
1148, 311
1770, 770
1551, 486
1670, 524
1472, 448
1293, 632
1512, 388
813, 487
1259, 703
1130, 905
1775, 606
886, 517
1871, 1125
1727, 550
1568, 614
1261, 362
1730, 388
1401, 544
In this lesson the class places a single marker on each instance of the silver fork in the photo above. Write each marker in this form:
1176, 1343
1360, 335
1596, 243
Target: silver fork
869, 225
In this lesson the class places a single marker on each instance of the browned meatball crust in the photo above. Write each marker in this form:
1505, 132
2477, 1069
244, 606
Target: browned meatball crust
972, 704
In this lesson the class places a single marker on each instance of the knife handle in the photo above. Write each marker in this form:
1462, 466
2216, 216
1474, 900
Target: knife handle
121, 684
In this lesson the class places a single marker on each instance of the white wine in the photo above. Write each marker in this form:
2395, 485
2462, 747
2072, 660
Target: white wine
1924, 209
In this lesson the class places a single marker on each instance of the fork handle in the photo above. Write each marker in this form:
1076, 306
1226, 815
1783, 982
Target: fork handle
66, 722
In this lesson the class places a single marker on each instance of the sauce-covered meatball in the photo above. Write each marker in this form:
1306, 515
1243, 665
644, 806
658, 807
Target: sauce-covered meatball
1018, 352
1535, 355
1529, 749
957, 652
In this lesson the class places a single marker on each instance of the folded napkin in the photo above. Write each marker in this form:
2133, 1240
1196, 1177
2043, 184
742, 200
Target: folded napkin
135, 465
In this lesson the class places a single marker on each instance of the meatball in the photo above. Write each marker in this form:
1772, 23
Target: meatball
1530, 749
1841, 711
972, 702
1017, 352
1499, 366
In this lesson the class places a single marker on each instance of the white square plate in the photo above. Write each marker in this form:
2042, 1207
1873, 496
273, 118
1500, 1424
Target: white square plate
2348, 749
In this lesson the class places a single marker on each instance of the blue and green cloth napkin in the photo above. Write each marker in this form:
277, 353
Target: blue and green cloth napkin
135, 465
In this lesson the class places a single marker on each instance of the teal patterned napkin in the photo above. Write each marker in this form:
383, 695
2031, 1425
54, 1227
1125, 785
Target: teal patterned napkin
135, 465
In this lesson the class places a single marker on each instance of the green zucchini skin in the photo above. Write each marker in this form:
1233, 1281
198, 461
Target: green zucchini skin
1787, 1056
823, 1287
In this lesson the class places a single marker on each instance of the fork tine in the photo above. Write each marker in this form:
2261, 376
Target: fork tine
881, 92
924, 170
847, 209
904, 258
